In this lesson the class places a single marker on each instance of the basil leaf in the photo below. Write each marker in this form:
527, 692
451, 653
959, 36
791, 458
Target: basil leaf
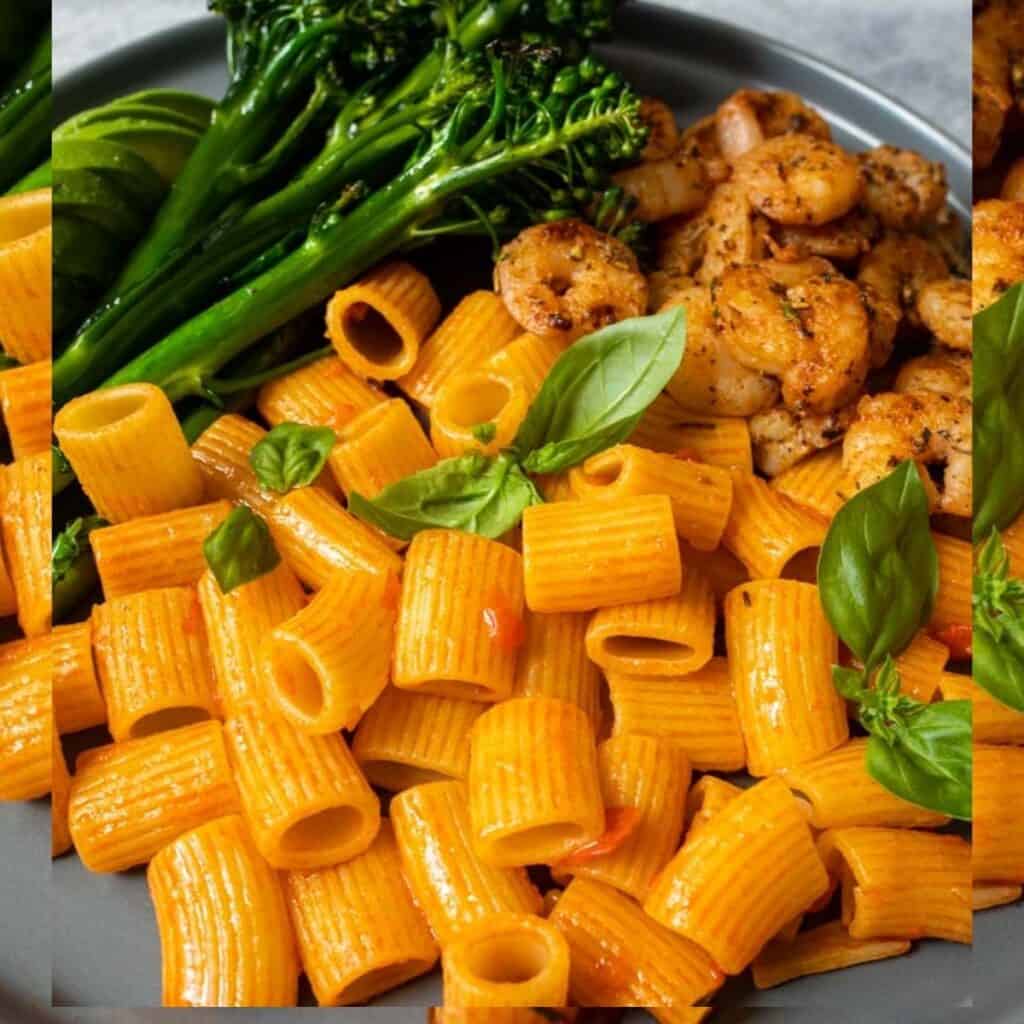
926, 759
878, 572
999, 413
70, 544
598, 389
848, 682
61, 471
484, 432
291, 455
240, 550
998, 641
470, 492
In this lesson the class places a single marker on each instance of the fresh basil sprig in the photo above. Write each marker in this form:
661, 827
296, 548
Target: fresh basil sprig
592, 399
70, 545
291, 455
596, 393
471, 493
240, 550
999, 413
879, 573
877, 579
998, 657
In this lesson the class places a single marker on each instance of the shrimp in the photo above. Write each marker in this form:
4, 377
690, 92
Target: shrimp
781, 437
901, 188
799, 179
700, 140
1013, 183
663, 286
734, 232
565, 280
662, 131
945, 309
884, 316
941, 371
998, 249
802, 323
934, 430
679, 244
898, 267
750, 116
845, 239
997, 74
665, 188
709, 380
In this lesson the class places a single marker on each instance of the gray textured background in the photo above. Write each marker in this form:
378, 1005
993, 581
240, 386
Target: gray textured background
916, 50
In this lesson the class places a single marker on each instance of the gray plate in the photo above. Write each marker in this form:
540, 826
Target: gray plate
105, 950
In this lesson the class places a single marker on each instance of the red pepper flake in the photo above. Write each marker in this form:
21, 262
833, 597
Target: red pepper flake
688, 455
193, 615
619, 824
392, 592
958, 639
504, 626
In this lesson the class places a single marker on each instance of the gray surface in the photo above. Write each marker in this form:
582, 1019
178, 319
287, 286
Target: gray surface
918, 50
104, 942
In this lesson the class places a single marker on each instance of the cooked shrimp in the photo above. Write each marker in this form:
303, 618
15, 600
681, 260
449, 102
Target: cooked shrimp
749, 116
941, 371
800, 323
663, 286
665, 188
709, 380
998, 249
662, 131
949, 235
799, 179
843, 240
997, 74
884, 316
565, 280
899, 266
781, 437
945, 309
932, 429
1013, 183
700, 140
679, 244
903, 189
734, 232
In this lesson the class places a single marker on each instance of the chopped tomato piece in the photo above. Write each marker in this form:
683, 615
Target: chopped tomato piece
504, 626
688, 455
392, 592
619, 825
958, 639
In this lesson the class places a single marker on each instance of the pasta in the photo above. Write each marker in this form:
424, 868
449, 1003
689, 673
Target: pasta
306, 802
717, 440
130, 799
707, 796
223, 922
956, 575
128, 452
507, 960
359, 931
26, 721
534, 790
470, 400
997, 853
25, 402
590, 554
460, 618
77, 701
781, 653
26, 517
993, 721
818, 482
221, 454
26, 305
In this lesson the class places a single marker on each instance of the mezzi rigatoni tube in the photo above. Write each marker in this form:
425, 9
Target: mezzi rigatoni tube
26, 516
225, 936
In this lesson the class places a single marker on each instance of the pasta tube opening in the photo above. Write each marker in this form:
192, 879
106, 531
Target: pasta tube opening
519, 847
333, 827
165, 719
371, 334
295, 679
104, 409
471, 399
635, 647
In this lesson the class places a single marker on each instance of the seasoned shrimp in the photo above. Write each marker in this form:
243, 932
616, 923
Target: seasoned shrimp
700, 140
998, 249
565, 280
884, 316
734, 232
662, 131
709, 380
941, 371
901, 188
679, 244
665, 188
997, 74
749, 116
663, 286
899, 266
845, 239
801, 323
799, 179
945, 309
932, 429
781, 437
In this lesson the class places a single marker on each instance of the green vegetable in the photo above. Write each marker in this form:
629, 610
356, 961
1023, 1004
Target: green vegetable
240, 550
61, 470
878, 572
471, 492
999, 413
998, 641
596, 393
41, 177
73, 570
26, 108
291, 455
484, 432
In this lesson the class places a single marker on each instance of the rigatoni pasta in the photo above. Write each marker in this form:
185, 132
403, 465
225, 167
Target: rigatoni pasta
26, 516
992, 721
818, 482
997, 853
77, 701
224, 929
473, 400
26, 721
956, 575
26, 261
26, 405
221, 454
